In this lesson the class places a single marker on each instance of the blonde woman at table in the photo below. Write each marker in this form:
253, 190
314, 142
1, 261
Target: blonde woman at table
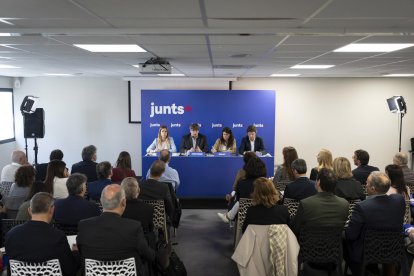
226, 143
163, 141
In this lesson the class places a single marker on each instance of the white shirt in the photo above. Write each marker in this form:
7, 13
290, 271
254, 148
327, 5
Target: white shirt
252, 145
8, 172
59, 187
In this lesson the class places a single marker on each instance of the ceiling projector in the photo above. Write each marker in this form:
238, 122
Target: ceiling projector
155, 66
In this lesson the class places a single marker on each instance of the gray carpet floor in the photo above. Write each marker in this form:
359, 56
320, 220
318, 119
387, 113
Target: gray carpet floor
205, 243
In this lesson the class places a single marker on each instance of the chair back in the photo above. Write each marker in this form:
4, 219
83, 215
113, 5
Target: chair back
68, 229
121, 267
407, 214
244, 204
5, 188
160, 218
48, 268
352, 203
292, 205
281, 185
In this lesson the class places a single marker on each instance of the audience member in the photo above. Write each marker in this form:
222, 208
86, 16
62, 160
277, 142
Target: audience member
41, 169
252, 142
194, 141
163, 141
24, 179
346, 187
397, 186
401, 159
56, 177
241, 174
285, 172
226, 142
111, 237
137, 209
324, 208
18, 159
324, 159
361, 159
37, 241
104, 172
170, 175
265, 209
152, 189
302, 187
75, 208
23, 213
123, 168
377, 210
88, 164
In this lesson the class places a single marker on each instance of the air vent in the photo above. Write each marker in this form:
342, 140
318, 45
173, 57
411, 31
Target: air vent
240, 55
232, 67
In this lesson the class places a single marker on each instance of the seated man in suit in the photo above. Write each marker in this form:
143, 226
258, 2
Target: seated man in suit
379, 209
152, 189
88, 165
302, 187
112, 237
74, 208
361, 173
104, 171
170, 175
324, 208
194, 141
37, 241
251, 142
41, 169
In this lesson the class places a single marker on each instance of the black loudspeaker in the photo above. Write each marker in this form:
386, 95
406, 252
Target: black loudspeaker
412, 144
34, 124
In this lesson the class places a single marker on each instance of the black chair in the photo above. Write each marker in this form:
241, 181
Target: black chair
244, 204
281, 185
352, 203
321, 245
68, 229
292, 205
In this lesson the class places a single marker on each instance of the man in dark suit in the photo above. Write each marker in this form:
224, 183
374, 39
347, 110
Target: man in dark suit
324, 208
37, 241
251, 142
41, 169
74, 208
104, 171
152, 189
302, 187
361, 159
112, 237
379, 209
194, 141
88, 165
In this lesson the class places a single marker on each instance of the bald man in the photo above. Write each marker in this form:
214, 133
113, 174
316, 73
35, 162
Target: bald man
112, 237
18, 159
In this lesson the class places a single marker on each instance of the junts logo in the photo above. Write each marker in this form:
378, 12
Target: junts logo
168, 109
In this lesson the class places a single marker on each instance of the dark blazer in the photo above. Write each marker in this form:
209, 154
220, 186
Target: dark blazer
349, 189
322, 209
37, 241
382, 211
152, 189
362, 172
111, 237
41, 170
95, 188
138, 210
313, 174
245, 145
72, 209
300, 189
245, 188
259, 214
187, 143
88, 168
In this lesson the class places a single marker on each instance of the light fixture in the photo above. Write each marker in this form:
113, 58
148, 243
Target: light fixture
316, 66
398, 75
6, 66
373, 47
58, 74
284, 75
171, 75
111, 48
5, 34
5, 21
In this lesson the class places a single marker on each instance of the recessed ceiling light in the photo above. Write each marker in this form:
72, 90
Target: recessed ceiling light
373, 47
5, 58
171, 75
136, 65
321, 66
6, 66
398, 75
111, 48
284, 75
5, 34
5, 21
58, 74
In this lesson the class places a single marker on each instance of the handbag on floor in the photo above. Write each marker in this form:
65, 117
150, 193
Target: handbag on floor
175, 266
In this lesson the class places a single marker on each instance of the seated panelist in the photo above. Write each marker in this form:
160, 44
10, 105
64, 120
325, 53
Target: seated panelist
194, 141
226, 143
251, 142
163, 141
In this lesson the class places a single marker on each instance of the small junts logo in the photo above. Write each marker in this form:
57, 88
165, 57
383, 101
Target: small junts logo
168, 109
213, 125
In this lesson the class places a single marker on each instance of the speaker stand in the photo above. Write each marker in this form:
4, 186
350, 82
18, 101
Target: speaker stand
27, 155
36, 148
399, 145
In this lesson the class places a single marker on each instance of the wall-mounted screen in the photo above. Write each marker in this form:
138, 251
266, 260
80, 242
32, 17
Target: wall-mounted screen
6, 115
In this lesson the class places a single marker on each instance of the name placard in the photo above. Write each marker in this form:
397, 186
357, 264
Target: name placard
196, 154
222, 154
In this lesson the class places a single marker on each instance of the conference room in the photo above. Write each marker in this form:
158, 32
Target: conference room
326, 93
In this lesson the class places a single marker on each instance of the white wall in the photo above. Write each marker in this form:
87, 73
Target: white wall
6, 149
339, 114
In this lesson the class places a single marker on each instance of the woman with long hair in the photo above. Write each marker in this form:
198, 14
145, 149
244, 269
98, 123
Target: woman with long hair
265, 210
23, 213
226, 142
163, 141
324, 159
346, 187
55, 181
122, 168
285, 172
398, 185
